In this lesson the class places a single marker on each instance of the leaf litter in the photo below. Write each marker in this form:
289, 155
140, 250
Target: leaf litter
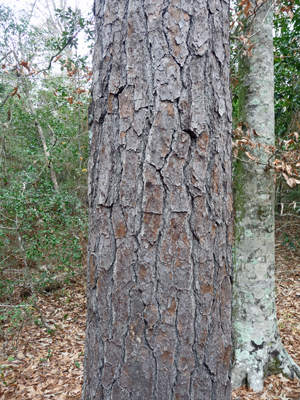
50, 366
43, 365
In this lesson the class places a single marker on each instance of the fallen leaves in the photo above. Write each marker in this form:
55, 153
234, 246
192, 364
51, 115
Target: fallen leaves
49, 366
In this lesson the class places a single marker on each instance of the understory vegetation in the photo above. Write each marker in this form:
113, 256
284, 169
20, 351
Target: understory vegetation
44, 93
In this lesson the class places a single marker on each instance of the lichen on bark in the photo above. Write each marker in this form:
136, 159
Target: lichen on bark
257, 347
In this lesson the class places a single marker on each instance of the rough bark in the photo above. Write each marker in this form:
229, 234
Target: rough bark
159, 257
258, 351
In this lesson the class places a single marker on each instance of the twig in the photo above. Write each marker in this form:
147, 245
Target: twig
291, 215
8, 271
288, 271
4, 101
58, 53
5, 259
18, 305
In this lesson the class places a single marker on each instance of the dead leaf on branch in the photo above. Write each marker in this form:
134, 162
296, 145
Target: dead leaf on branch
291, 182
260, 2
15, 91
268, 149
57, 58
288, 142
25, 64
71, 73
247, 7
289, 169
252, 158
288, 10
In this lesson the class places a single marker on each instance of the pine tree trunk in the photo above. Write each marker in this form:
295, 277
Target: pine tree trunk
258, 351
159, 257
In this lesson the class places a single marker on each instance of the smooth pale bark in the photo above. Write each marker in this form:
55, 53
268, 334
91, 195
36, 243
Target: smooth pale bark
258, 351
159, 257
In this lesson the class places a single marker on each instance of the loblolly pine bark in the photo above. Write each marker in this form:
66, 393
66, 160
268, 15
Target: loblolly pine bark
159, 255
258, 351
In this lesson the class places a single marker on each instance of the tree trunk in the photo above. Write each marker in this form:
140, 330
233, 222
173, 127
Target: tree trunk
159, 257
44, 144
258, 351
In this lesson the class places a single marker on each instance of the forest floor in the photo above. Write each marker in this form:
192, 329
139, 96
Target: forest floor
39, 365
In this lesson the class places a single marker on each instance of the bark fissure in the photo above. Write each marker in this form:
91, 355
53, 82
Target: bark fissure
153, 154
111, 285
195, 269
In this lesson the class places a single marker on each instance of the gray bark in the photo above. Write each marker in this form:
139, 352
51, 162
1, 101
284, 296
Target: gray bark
159, 256
47, 154
258, 351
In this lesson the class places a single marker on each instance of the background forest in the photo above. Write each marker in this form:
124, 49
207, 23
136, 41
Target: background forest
45, 78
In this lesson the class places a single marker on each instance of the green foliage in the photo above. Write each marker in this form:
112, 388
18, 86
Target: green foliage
288, 240
287, 71
16, 316
73, 22
43, 229
51, 223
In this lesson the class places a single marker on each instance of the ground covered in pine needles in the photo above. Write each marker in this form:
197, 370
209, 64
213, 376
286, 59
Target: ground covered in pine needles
42, 365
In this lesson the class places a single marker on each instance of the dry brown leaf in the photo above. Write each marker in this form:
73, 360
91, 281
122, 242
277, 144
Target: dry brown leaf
14, 92
291, 182
25, 64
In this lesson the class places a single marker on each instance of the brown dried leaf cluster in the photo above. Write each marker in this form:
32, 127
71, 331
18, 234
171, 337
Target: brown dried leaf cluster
247, 10
286, 152
243, 141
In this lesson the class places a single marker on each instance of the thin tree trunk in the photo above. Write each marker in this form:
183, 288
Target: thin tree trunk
79, 120
258, 351
159, 257
79, 134
44, 144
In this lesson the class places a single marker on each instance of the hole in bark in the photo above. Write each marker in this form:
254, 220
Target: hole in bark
149, 185
256, 346
190, 132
